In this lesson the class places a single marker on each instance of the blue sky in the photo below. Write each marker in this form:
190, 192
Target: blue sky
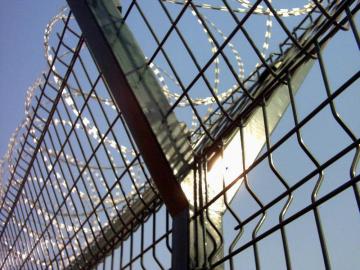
22, 25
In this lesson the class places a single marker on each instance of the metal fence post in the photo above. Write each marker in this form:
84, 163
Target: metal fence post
140, 99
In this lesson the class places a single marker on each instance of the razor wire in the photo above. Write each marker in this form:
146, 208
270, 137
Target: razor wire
162, 75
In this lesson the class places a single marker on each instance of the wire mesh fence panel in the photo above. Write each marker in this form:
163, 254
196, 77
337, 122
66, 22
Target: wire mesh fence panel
77, 169
269, 142
268, 99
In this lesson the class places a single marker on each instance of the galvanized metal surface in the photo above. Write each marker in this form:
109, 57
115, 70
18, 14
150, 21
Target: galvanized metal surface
138, 95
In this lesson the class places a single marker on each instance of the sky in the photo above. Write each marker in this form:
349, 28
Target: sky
22, 25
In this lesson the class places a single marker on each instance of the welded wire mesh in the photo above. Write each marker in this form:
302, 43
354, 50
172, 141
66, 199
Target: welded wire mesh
77, 169
279, 209
150, 247
80, 195
226, 46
